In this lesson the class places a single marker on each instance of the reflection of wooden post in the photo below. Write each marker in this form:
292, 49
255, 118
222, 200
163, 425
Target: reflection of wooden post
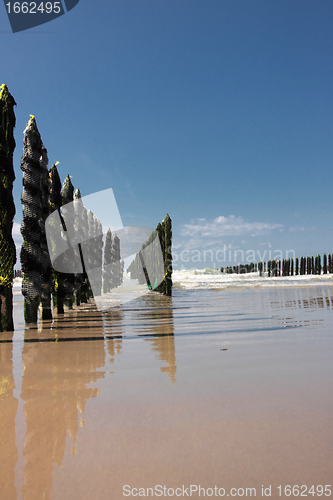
52, 401
161, 327
8, 410
166, 348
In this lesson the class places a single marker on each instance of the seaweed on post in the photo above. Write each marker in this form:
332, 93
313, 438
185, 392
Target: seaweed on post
7, 208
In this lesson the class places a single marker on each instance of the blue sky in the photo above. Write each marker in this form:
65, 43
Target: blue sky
218, 112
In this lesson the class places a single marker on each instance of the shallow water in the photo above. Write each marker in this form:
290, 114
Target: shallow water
228, 388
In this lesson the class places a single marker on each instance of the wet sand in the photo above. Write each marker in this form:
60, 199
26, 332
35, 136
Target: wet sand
231, 389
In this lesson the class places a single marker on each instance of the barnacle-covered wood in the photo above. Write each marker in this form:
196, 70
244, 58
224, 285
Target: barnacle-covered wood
34, 166
7, 208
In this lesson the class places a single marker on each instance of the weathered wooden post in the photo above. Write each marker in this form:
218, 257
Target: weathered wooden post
31, 228
7, 208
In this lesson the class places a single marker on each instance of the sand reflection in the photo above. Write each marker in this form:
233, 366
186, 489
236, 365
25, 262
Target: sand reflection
8, 409
61, 358
161, 329
54, 391
234, 419
113, 329
150, 317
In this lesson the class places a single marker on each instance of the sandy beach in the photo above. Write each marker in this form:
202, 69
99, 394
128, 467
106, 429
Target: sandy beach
229, 391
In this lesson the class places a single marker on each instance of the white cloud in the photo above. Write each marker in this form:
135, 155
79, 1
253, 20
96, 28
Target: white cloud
264, 244
16, 229
17, 237
295, 229
227, 226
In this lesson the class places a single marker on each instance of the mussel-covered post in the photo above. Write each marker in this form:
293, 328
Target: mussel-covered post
7, 208
31, 229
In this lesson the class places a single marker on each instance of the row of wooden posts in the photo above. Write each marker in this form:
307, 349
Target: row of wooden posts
286, 267
42, 194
